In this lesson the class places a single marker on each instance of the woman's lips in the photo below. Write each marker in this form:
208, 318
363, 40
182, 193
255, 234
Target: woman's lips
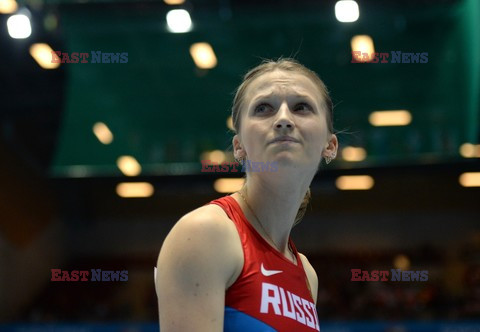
284, 139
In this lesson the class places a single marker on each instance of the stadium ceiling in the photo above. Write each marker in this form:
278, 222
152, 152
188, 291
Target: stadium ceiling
167, 113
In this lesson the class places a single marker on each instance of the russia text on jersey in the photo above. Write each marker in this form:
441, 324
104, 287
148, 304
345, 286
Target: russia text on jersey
287, 304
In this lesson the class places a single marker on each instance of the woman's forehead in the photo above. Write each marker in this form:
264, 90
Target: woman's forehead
281, 81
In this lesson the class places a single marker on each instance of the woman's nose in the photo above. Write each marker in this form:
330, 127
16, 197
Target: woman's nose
284, 119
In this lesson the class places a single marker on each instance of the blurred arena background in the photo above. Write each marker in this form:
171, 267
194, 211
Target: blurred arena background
75, 137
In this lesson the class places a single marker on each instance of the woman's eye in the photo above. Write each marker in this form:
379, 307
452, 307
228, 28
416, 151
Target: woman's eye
303, 107
263, 108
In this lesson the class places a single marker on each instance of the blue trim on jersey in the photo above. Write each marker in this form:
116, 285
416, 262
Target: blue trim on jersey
237, 321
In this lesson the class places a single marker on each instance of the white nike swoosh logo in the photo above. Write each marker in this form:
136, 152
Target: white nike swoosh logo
268, 273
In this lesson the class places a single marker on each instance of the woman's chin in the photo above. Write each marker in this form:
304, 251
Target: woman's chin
291, 163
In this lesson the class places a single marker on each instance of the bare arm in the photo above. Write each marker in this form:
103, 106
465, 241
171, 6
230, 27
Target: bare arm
196, 263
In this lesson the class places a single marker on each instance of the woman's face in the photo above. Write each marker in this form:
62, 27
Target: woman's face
283, 105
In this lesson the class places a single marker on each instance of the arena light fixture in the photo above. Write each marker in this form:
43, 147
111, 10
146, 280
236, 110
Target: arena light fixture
42, 53
401, 262
353, 154
215, 156
8, 6
174, 2
470, 179
179, 21
129, 165
390, 118
469, 150
346, 11
103, 133
354, 182
362, 44
134, 189
228, 185
203, 55
230, 123
19, 26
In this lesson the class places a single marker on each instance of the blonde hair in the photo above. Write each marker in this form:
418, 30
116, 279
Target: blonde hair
287, 65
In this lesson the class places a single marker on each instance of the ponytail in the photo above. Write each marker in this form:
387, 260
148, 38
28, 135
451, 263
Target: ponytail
303, 207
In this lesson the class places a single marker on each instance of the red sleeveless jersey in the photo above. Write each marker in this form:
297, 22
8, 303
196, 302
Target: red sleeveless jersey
271, 293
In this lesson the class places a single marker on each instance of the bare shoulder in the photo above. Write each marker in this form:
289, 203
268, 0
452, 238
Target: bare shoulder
311, 275
210, 218
198, 259
204, 224
203, 238
204, 230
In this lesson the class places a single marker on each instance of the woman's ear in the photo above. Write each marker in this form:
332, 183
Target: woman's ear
331, 147
238, 150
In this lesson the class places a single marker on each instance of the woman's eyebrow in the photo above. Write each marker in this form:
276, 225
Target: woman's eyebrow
307, 98
300, 96
266, 95
296, 95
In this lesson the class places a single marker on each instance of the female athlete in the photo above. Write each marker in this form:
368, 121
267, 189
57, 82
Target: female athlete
231, 265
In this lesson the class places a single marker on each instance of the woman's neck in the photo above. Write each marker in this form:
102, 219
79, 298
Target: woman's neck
275, 204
